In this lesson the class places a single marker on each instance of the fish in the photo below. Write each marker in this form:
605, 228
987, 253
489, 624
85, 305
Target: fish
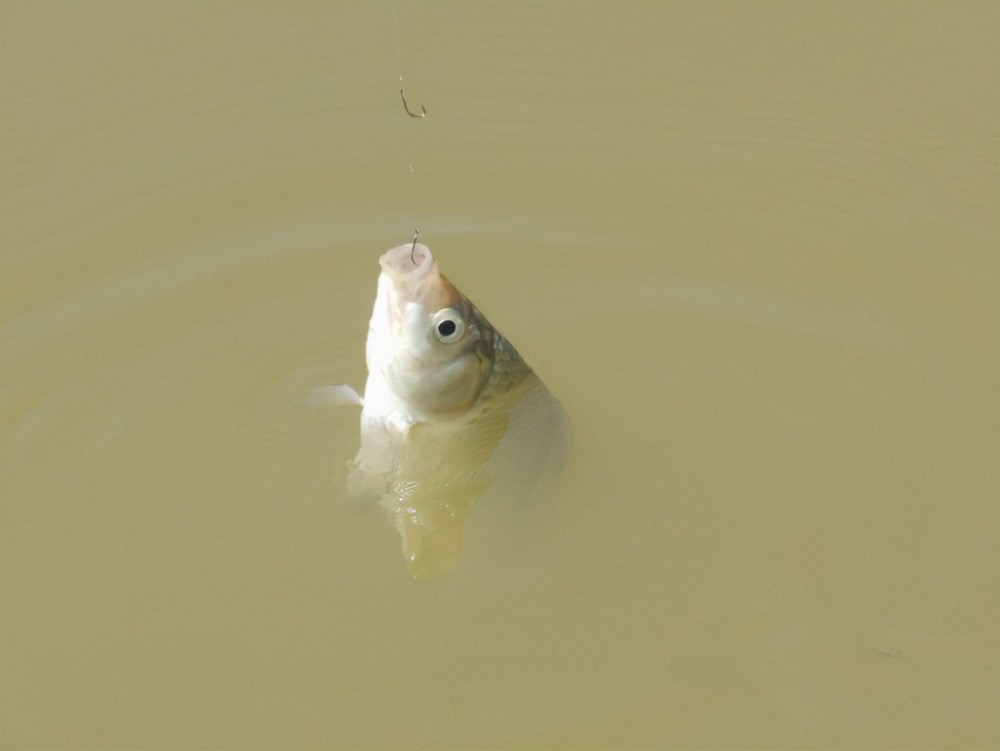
449, 408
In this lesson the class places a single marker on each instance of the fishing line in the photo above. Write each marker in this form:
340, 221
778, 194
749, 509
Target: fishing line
402, 95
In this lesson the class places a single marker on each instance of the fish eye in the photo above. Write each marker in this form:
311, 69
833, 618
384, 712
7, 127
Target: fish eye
448, 325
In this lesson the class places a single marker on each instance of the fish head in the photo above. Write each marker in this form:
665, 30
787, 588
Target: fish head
429, 352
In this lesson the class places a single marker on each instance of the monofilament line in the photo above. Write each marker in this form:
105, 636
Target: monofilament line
399, 70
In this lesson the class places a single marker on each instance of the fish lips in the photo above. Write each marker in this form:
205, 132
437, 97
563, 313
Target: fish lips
414, 275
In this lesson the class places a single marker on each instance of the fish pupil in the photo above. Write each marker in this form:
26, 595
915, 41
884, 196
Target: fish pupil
447, 328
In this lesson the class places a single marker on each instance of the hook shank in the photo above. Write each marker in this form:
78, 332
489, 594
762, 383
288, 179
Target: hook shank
416, 234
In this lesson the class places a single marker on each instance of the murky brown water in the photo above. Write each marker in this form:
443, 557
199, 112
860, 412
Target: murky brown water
751, 248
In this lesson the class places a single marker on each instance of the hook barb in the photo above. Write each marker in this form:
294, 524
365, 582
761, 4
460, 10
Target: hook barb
423, 110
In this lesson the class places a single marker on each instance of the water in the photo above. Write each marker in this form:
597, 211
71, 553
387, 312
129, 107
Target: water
752, 250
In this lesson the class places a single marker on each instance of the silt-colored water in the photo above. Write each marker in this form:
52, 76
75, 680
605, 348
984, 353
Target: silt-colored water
751, 248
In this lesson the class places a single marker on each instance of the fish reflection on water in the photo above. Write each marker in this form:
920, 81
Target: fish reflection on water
450, 410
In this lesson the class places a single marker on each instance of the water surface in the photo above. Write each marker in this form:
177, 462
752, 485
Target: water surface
751, 248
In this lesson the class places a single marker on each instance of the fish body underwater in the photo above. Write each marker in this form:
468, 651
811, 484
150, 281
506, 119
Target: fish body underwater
450, 410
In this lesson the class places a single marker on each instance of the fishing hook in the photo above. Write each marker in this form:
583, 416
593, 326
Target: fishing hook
416, 234
423, 110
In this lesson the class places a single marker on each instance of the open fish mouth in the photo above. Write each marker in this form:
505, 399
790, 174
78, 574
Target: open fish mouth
407, 261
415, 278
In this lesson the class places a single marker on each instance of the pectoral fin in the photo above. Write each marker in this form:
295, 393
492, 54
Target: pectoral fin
332, 396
